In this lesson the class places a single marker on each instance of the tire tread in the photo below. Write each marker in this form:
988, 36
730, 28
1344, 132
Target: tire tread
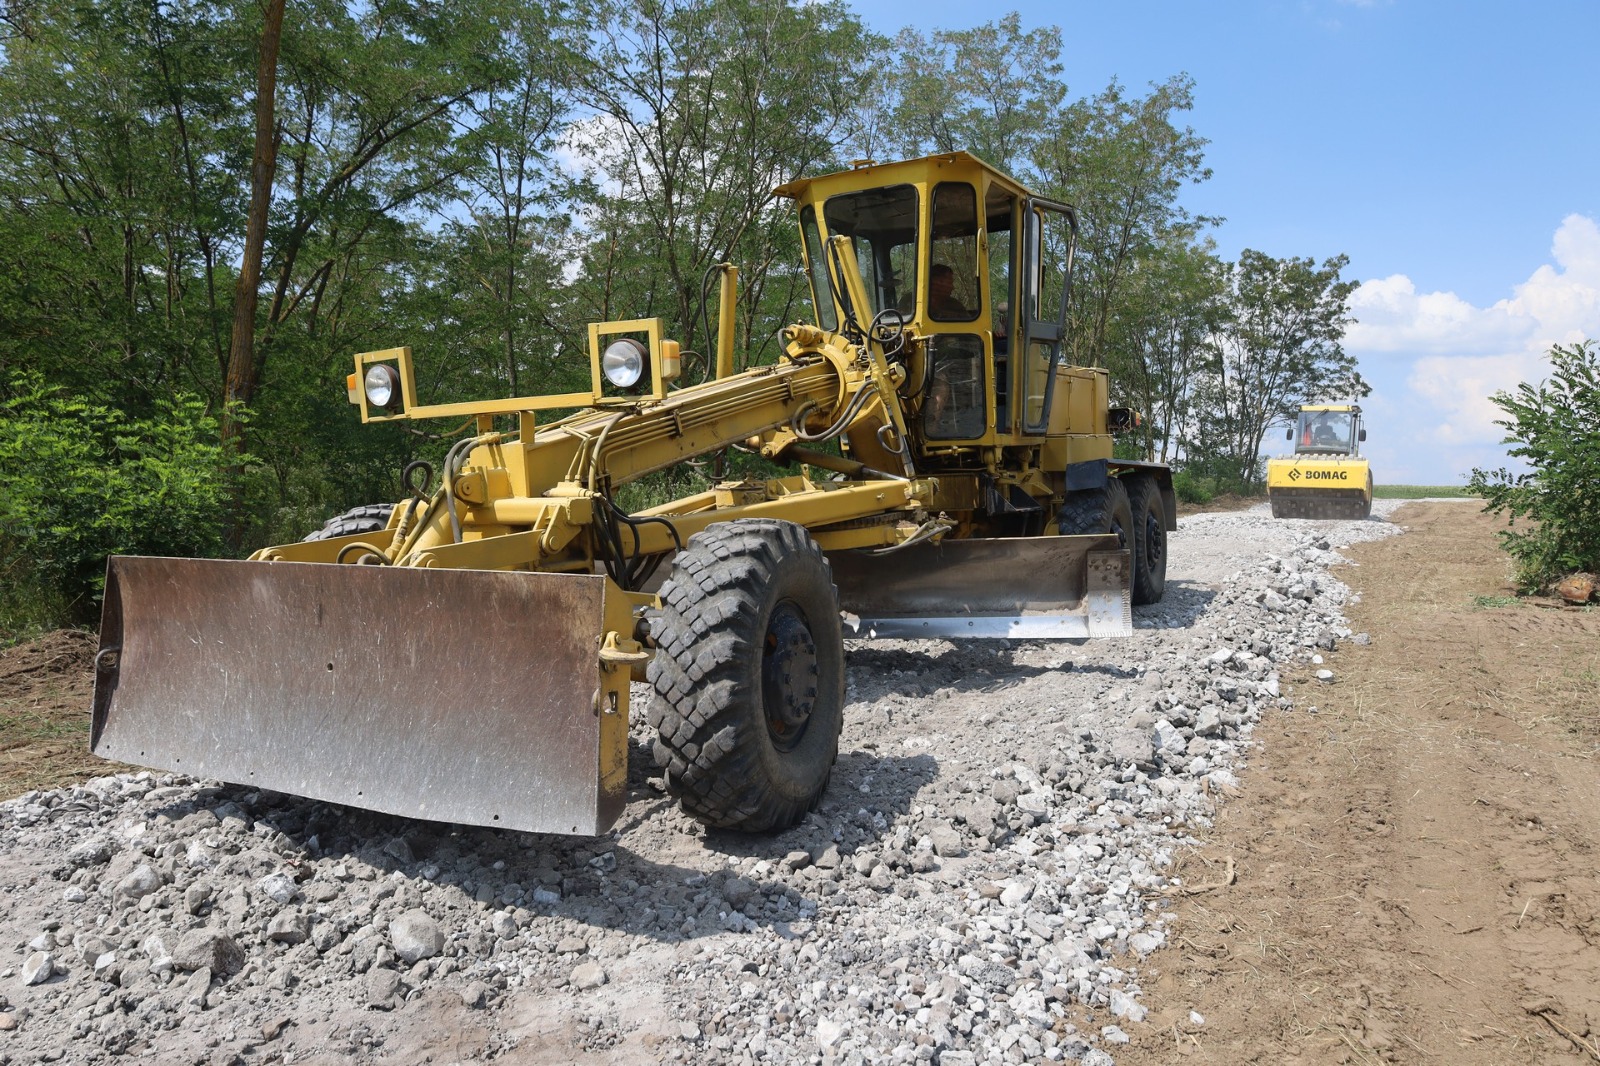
705, 632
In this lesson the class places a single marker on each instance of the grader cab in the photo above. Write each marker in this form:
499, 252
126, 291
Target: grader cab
465, 654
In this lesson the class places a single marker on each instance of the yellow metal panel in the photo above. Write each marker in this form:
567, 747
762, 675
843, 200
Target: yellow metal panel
956, 492
324, 551
510, 551
1058, 452
727, 296
813, 506
1308, 472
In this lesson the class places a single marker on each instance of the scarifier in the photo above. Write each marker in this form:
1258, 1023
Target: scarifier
465, 655
1326, 477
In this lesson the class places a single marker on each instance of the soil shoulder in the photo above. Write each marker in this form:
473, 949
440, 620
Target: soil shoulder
1413, 849
45, 690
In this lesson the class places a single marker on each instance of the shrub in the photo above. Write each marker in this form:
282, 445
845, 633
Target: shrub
84, 482
1555, 427
1190, 488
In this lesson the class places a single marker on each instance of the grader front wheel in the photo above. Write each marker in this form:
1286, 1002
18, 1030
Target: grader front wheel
748, 675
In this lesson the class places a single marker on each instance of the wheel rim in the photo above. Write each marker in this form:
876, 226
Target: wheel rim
788, 676
1152, 543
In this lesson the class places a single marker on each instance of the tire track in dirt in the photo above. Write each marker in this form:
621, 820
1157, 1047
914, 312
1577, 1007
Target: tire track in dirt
1415, 858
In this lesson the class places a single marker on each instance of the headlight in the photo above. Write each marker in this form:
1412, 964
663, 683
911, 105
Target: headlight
382, 385
623, 362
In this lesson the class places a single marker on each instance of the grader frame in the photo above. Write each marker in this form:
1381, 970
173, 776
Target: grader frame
469, 659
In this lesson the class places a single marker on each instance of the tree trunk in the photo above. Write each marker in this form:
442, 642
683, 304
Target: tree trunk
243, 372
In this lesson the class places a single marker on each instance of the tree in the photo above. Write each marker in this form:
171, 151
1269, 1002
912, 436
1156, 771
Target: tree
1555, 427
240, 378
699, 109
507, 249
86, 481
1278, 347
1172, 307
119, 189
1122, 162
360, 144
994, 90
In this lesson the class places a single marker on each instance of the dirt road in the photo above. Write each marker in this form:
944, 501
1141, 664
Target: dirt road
1414, 865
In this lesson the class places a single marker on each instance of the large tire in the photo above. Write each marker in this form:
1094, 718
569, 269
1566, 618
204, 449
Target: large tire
1098, 511
368, 518
748, 675
1150, 540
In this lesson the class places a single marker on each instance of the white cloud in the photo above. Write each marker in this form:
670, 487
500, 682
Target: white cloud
1566, 301
1458, 390
1391, 316
1449, 356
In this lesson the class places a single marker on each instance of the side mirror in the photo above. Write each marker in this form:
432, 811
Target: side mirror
1362, 437
1288, 434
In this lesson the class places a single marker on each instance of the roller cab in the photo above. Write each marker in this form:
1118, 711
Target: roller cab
1326, 477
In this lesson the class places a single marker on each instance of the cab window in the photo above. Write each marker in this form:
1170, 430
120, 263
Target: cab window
882, 227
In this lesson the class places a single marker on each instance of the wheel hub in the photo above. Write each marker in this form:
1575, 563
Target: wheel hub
788, 676
1152, 542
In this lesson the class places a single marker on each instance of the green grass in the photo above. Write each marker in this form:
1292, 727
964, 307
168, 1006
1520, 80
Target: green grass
1417, 492
1494, 601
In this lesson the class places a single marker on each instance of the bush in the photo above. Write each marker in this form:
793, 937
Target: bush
1191, 488
84, 482
1556, 429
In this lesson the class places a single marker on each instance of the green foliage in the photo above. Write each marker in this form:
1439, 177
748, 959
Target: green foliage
1122, 160
1192, 488
994, 90
1278, 346
84, 481
1170, 309
699, 109
1555, 427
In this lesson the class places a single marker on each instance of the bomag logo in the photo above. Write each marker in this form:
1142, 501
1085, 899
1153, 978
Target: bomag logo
1320, 475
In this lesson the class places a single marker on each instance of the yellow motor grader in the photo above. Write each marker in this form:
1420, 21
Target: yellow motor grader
466, 654
1326, 477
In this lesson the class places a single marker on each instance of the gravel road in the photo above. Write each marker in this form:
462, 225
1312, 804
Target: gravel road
979, 885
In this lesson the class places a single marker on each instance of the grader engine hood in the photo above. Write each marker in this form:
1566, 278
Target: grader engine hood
377, 687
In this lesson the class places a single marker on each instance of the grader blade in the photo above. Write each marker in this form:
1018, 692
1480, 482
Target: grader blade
474, 697
1024, 587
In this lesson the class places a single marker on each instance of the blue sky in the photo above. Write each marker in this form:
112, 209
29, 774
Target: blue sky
1451, 150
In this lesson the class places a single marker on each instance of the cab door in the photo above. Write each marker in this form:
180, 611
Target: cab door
1050, 240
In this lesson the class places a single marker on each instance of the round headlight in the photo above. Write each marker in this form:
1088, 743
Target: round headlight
623, 362
382, 385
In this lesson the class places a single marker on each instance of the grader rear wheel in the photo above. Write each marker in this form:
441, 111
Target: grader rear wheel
748, 675
368, 518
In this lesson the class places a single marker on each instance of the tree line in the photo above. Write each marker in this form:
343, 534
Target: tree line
207, 205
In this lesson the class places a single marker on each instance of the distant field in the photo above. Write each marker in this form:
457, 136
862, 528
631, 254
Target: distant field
1417, 492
